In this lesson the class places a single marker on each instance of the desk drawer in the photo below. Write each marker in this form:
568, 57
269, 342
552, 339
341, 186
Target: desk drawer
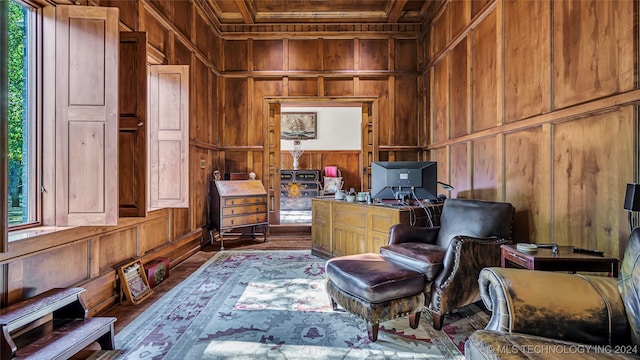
243, 220
245, 200
249, 209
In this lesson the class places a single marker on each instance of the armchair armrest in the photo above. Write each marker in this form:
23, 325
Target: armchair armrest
402, 233
456, 285
570, 307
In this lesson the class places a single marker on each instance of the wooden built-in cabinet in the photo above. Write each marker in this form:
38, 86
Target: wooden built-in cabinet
345, 228
239, 204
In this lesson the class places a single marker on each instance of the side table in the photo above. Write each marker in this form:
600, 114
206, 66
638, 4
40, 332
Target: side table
565, 260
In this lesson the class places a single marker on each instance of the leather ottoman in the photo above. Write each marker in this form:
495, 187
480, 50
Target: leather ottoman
375, 289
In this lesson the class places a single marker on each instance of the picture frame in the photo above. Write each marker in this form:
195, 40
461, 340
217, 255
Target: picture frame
298, 126
133, 281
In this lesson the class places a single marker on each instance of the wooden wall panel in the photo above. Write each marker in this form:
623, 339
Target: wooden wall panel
379, 88
215, 110
128, 11
440, 102
588, 168
114, 248
527, 40
267, 55
234, 125
201, 171
158, 36
374, 54
593, 50
181, 220
486, 163
183, 16
66, 266
439, 32
459, 98
304, 54
200, 102
441, 156
484, 75
236, 161
203, 35
153, 234
338, 87
460, 171
181, 53
405, 121
338, 54
262, 88
303, 87
527, 178
349, 164
406, 54
235, 55
460, 13
163, 6
477, 6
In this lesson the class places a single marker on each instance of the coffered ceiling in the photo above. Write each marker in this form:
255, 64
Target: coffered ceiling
229, 12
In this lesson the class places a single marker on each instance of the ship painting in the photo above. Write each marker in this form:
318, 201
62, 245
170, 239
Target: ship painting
301, 125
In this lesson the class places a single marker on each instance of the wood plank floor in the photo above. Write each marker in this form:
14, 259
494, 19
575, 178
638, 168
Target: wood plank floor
283, 240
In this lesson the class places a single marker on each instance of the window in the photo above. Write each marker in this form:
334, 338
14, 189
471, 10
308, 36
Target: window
22, 115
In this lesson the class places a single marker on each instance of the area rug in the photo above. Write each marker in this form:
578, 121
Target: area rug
272, 304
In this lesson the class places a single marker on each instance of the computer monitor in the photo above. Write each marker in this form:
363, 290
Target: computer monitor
416, 180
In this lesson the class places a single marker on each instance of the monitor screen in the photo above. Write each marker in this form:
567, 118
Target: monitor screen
416, 180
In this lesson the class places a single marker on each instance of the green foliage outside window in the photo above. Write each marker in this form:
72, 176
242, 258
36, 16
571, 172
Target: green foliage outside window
17, 111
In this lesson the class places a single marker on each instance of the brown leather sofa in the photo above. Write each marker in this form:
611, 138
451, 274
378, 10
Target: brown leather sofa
546, 315
451, 255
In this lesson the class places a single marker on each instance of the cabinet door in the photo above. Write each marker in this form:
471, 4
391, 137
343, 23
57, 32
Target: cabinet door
132, 105
86, 115
168, 136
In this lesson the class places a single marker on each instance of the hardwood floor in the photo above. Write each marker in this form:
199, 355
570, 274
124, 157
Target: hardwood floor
283, 238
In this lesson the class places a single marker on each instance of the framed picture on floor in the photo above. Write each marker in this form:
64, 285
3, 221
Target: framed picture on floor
134, 282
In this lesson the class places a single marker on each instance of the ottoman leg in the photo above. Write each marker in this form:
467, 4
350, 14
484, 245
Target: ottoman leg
334, 305
372, 331
414, 320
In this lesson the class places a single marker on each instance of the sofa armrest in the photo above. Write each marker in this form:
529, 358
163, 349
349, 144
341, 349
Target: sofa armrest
403, 233
570, 307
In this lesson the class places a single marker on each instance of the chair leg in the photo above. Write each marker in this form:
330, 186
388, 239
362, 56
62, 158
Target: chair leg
414, 320
438, 319
372, 331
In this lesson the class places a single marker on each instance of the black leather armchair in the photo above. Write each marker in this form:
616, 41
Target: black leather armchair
570, 315
451, 256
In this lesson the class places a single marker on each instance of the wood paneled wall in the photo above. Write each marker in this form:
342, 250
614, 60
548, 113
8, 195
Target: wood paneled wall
256, 67
179, 33
534, 103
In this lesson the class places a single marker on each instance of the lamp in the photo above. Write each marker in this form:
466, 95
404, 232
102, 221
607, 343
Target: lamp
632, 202
296, 153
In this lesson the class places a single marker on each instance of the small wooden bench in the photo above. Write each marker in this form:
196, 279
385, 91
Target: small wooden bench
67, 332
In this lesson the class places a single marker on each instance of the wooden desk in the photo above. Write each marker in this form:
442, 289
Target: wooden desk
345, 228
238, 204
565, 260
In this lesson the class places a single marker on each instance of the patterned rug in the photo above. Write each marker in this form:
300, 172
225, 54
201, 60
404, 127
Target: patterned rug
272, 304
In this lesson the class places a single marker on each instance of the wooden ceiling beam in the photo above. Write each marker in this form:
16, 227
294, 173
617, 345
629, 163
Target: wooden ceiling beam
246, 13
396, 10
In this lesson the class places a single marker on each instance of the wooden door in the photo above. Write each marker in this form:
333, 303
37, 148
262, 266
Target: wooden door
369, 152
273, 163
132, 109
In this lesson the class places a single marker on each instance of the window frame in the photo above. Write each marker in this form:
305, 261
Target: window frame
34, 111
